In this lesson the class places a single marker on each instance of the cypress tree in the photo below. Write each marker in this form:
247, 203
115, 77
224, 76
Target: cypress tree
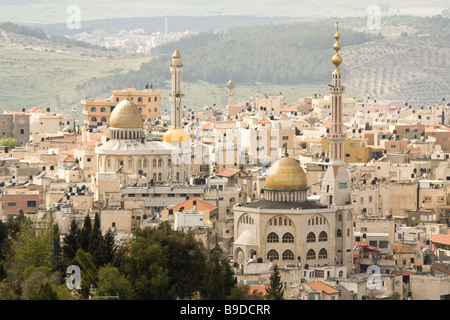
71, 246
275, 290
85, 234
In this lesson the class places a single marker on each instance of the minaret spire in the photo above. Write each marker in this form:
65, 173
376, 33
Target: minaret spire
176, 96
336, 186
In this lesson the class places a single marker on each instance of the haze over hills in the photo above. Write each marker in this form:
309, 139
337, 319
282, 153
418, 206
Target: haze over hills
50, 11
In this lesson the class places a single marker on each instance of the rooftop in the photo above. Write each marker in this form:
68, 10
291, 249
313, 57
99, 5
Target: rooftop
265, 204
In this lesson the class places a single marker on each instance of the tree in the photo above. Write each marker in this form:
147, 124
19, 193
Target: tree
275, 290
9, 142
71, 244
44, 291
112, 283
219, 279
85, 234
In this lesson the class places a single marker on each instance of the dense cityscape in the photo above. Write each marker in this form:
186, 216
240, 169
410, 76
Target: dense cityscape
325, 198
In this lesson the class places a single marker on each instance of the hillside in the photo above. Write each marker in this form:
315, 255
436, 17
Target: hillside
45, 72
393, 64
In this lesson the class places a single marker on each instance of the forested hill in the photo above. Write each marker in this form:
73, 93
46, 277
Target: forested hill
396, 63
298, 53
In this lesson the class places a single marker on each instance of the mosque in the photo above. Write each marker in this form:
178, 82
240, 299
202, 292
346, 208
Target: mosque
129, 152
286, 228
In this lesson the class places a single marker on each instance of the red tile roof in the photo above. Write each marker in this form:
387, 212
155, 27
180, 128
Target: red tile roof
442, 270
68, 159
228, 172
258, 289
189, 205
320, 286
441, 239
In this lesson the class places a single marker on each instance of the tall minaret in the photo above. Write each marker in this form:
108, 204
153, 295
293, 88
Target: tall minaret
176, 97
336, 183
230, 87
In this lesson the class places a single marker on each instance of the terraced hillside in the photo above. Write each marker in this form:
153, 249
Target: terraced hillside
413, 70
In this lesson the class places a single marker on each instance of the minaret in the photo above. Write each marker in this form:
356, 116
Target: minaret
336, 183
230, 87
176, 97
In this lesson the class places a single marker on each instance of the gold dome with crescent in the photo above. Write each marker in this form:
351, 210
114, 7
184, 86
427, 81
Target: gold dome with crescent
286, 174
126, 115
176, 135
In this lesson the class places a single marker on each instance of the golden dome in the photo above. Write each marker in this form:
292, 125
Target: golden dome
176, 135
286, 174
126, 115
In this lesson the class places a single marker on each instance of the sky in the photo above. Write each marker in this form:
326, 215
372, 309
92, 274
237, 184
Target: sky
60, 11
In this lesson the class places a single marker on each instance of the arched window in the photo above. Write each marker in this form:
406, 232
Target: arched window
323, 254
341, 274
154, 163
140, 99
22, 131
149, 99
280, 220
311, 237
156, 98
160, 176
339, 233
140, 110
272, 255
288, 238
93, 109
323, 236
310, 255
169, 162
139, 163
145, 163
272, 238
130, 164
108, 163
102, 109
94, 119
340, 217
103, 119
159, 163
288, 255
154, 176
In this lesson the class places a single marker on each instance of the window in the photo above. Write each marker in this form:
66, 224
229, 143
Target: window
140, 99
311, 237
272, 238
288, 238
272, 255
93, 109
11, 204
102, 109
285, 137
339, 233
93, 119
310, 255
323, 253
323, 236
288, 255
